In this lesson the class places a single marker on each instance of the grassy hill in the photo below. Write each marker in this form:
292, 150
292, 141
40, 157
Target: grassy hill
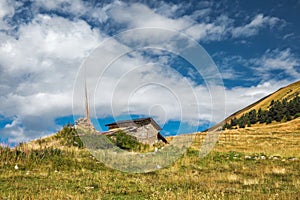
257, 162
289, 92
261, 163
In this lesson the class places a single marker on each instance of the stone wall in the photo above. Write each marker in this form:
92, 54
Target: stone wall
146, 134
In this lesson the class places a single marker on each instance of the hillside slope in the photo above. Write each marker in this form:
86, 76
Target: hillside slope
287, 92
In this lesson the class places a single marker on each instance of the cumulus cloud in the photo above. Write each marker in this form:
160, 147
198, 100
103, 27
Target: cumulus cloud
39, 63
132, 84
38, 69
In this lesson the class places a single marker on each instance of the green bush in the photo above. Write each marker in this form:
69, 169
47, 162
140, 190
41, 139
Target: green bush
69, 136
127, 142
124, 141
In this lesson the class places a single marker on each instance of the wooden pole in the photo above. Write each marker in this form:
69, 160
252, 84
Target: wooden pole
87, 109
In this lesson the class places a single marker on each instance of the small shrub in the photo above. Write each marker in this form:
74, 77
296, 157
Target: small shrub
127, 142
69, 136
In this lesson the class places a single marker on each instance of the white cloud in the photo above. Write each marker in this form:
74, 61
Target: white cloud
232, 67
201, 14
138, 16
129, 76
167, 9
26, 128
252, 28
47, 45
38, 70
271, 65
240, 97
38, 66
13, 131
6, 10
68, 6
283, 60
76, 8
206, 32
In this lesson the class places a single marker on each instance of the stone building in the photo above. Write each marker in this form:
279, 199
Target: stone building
145, 130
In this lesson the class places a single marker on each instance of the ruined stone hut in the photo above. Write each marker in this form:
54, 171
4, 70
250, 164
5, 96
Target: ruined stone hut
84, 125
145, 130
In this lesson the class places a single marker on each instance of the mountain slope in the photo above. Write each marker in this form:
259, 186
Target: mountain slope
287, 92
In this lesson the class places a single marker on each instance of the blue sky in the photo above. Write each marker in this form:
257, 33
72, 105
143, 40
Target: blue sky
255, 46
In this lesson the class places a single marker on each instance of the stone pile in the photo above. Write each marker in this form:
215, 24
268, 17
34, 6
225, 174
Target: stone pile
83, 126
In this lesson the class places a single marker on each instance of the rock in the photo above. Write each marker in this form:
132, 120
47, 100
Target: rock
248, 157
262, 157
83, 125
293, 159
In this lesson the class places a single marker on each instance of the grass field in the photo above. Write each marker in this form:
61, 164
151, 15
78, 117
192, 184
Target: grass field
259, 162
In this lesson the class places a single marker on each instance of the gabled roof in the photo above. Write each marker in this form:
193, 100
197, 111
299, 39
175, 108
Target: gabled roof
145, 121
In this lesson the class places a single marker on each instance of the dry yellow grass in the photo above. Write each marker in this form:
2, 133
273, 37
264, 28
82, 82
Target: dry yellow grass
259, 162
287, 92
275, 139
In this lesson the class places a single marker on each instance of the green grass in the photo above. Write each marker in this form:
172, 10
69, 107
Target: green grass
225, 175
260, 162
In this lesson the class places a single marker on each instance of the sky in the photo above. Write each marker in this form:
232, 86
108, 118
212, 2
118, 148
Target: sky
135, 55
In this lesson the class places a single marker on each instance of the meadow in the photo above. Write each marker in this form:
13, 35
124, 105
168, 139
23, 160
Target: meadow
258, 162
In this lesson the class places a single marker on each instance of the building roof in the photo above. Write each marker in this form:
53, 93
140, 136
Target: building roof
142, 121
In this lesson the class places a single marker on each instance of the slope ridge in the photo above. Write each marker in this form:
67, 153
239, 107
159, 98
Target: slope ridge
288, 92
